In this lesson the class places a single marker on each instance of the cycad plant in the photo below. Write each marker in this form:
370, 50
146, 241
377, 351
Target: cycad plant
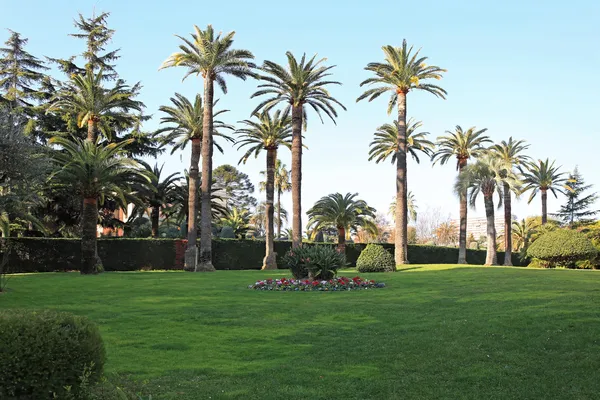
539, 177
403, 70
211, 56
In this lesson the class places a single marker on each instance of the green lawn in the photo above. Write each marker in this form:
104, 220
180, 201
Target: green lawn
435, 332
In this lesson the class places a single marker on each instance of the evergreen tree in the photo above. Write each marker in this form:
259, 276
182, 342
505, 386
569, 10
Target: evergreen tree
237, 186
19, 72
578, 205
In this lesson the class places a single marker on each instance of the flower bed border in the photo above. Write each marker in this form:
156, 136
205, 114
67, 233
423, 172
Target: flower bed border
339, 284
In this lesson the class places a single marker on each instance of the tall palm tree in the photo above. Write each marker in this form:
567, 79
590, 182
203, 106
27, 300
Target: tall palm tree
402, 71
411, 207
541, 177
94, 172
212, 57
268, 133
522, 233
95, 105
463, 145
487, 176
511, 155
300, 85
184, 122
341, 212
155, 195
282, 184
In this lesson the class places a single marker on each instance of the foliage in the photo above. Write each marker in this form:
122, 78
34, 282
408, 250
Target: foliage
411, 204
374, 258
562, 247
317, 262
541, 176
227, 233
578, 205
332, 285
269, 132
237, 187
446, 234
42, 352
386, 143
239, 222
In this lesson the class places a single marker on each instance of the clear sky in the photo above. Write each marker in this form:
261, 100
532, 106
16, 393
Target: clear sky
526, 69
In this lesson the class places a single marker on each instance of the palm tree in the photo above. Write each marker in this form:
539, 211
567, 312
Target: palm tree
511, 155
238, 220
299, 85
95, 172
401, 72
94, 105
462, 145
184, 123
522, 233
487, 176
155, 195
541, 177
268, 133
341, 212
212, 57
411, 206
282, 184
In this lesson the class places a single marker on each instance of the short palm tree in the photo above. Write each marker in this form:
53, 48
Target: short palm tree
522, 233
94, 105
411, 206
486, 177
511, 155
94, 172
463, 145
267, 133
343, 213
155, 195
541, 177
300, 85
184, 123
402, 71
212, 57
282, 184
238, 220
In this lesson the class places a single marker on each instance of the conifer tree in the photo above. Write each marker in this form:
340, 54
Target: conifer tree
578, 207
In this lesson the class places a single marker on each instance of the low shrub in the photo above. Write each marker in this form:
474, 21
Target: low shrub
562, 247
536, 263
319, 262
43, 352
374, 258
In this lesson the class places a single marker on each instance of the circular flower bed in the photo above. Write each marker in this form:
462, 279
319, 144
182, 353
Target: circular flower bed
332, 285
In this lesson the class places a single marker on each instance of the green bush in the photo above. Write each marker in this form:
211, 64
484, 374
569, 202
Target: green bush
536, 263
562, 247
227, 233
319, 262
41, 352
374, 258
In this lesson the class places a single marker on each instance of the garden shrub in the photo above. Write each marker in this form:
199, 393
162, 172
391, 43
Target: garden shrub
319, 262
227, 233
536, 263
562, 247
374, 258
42, 352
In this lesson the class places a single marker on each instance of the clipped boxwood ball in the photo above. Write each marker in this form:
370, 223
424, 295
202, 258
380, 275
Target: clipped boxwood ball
374, 258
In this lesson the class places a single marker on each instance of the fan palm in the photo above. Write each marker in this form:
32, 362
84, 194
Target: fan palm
95, 172
282, 184
511, 155
185, 123
300, 85
402, 71
411, 206
541, 177
268, 133
212, 57
341, 212
94, 105
463, 145
486, 177
155, 195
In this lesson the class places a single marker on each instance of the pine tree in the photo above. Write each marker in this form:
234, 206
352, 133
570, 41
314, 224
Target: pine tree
578, 205
19, 72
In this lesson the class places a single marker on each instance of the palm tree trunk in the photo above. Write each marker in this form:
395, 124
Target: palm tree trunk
507, 226
401, 200
462, 233
544, 206
491, 257
270, 261
205, 259
154, 215
341, 247
278, 214
296, 176
90, 262
91, 130
191, 250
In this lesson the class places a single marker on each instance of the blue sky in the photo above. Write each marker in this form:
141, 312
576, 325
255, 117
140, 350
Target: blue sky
526, 69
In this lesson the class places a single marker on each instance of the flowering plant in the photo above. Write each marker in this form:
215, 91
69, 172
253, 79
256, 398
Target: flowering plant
332, 285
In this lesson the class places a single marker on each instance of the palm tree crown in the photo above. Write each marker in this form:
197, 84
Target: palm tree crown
411, 205
460, 144
157, 192
386, 142
266, 133
511, 152
542, 176
341, 212
282, 178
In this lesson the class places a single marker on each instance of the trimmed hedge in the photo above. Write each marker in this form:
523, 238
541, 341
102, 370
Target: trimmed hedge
374, 258
41, 352
562, 247
119, 254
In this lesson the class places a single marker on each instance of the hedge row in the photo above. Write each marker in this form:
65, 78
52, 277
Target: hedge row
47, 255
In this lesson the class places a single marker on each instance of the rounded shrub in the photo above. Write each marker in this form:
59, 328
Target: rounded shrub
374, 258
41, 352
227, 233
562, 247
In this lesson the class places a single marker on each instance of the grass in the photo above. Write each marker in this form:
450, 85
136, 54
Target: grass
435, 332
